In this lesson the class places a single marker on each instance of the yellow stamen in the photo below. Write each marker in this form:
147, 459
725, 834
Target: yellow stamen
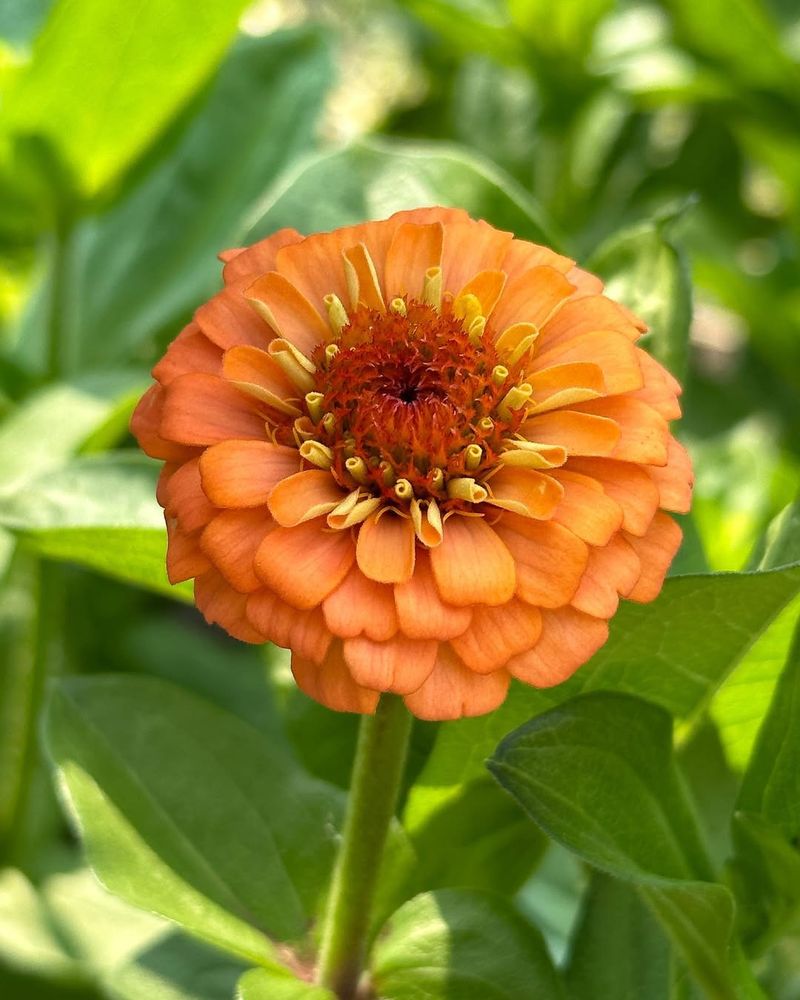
268, 397
330, 353
303, 429
437, 479
473, 456
337, 314
466, 488
329, 423
317, 454
387, 473
432, 287
403, 489
516, 397
357, 468
294, 363
314, 405
352, 510
427, 520
398, 306
499, 374
531, 455
486, 424
516, 341
467, 308
476, 330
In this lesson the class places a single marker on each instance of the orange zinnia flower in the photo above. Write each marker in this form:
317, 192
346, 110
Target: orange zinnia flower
424, 455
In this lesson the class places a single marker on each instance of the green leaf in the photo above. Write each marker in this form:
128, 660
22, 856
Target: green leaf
231, 840
174, 968
766, 829
148, 261
462, 945
644, 268
674, 652
99, 512
619, 951
104, 81
597, 774
258, 984
53, 423
377, 177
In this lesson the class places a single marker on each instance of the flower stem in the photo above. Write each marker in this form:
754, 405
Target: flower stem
375, 783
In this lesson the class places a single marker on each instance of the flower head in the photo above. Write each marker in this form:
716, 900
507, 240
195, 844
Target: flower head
424, 455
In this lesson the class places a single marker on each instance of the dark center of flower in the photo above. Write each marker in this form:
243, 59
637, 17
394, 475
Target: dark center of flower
411, 397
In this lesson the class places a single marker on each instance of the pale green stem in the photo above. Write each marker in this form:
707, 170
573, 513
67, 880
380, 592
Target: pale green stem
377, 774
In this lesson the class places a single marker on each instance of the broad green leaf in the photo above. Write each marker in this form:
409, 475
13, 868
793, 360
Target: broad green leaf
152, 258
462, 945
53, 423
741, 703
102, 84
619, 951
160, 836
766, 829
551, 898
643, 268
174, 968
471, 26
259, 984
99, 512
597, 774
674, 652
378, 177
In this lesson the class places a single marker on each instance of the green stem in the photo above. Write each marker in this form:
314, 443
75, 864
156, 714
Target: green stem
377, 773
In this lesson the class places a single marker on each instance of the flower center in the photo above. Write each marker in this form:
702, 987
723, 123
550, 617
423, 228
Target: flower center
410, 403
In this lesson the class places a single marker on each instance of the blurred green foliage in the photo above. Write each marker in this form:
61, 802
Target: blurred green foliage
657, 142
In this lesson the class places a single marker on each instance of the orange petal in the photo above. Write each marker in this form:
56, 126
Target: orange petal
304, 496
497, 634
259, 374
628, 484
190, 351
524, 491
304, 632
655, 550
643, 432
522, 255
386, 547
305, 564
362, 278
586, 314
550, 559
472, 566
658, 390
586, 509
414, 250
258, 258
205, 409
231, 541
617, 358
185, 500
675, 480
287, 311
486, 286
228, 319
579, 433
585, 283
562, 385
222, 605
399, 665
185, 559
452, 691
146, 428
569, 638
469, 248
361, 605
331, 683
244, 473
422, 614
612, 570
530, 298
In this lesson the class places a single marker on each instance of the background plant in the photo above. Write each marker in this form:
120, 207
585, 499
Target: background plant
659, 143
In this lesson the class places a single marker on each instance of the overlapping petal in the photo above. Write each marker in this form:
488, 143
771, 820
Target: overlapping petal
425, 456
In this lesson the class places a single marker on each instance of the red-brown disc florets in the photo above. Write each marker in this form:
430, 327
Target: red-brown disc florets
408, 394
